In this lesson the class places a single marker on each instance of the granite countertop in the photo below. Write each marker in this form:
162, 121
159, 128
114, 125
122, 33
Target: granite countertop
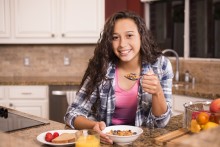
75, 80
201, 90
27, 137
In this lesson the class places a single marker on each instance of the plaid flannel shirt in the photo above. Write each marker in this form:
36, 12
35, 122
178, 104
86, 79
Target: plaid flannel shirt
106, 105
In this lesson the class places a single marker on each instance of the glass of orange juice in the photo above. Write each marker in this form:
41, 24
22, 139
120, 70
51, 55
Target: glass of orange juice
88, 138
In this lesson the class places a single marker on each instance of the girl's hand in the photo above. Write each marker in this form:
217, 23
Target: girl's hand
151, 83
99, 126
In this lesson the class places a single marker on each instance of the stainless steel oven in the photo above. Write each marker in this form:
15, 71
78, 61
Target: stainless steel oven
58, 101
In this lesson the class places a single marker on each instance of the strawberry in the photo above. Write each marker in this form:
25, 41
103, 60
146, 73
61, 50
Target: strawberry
55, 134
48, 137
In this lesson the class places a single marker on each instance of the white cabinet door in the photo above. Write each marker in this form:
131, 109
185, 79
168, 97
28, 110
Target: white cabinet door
3, 103
82, 21
4, 18
34, 18
3, 98
2, 92
51, 21
38, 108
31, 99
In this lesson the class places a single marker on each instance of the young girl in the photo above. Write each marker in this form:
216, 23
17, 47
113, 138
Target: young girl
106, 96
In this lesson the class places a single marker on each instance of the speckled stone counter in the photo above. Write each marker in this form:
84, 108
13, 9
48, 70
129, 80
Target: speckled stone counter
40, 80
200, 90
28, 136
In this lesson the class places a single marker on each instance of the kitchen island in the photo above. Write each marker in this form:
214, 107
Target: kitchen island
27, 137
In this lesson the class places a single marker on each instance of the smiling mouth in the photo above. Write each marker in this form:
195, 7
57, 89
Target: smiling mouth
124, 52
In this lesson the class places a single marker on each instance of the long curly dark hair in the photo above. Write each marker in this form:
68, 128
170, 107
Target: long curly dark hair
103, 54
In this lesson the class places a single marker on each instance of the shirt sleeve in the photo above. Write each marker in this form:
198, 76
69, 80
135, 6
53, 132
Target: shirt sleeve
80, 107
166, 84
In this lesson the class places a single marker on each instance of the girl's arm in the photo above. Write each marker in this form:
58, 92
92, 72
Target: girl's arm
151, 85
83, 123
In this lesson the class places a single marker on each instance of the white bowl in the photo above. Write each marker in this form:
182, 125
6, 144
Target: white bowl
122, 140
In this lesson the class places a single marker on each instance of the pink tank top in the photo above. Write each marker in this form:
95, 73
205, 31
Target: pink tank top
125, 105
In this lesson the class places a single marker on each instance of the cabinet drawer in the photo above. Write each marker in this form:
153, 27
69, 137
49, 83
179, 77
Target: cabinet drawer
2, 92
28, 92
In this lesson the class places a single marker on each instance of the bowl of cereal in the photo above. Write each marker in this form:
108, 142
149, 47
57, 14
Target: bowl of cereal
123, 134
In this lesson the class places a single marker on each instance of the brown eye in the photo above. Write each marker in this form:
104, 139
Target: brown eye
130, 35
115, 38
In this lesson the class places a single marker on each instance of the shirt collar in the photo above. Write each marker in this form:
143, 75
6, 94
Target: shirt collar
111, 71
145, 68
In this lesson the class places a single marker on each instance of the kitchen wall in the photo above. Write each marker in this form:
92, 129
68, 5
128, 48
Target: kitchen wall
205, 71
47, 60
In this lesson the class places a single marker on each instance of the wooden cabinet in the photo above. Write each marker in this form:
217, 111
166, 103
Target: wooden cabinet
52, 21
180, 100
29, 99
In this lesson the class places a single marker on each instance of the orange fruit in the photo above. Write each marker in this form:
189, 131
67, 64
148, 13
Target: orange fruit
194, 126
202, 118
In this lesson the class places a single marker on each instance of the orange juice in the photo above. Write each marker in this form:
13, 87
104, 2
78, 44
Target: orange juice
88, 141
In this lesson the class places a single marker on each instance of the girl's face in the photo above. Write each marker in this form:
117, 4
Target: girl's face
126, 40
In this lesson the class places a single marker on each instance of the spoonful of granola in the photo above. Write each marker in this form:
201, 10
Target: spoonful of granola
132, 76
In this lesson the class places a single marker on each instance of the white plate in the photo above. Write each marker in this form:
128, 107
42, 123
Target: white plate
41, 137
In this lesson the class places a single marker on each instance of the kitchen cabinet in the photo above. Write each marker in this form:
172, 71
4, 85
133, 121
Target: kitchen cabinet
29, 99
3, 101
38, 108
180, 100
4, 19
2, 92
52, 21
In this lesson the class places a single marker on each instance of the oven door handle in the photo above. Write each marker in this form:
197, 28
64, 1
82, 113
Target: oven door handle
58, 92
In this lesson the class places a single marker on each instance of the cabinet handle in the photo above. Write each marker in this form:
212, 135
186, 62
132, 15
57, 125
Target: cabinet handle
63, 35
26, 93
52, 35
11, 105
58, 92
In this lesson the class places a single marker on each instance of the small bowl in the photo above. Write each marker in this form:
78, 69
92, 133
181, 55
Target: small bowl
123, 140
192, 110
